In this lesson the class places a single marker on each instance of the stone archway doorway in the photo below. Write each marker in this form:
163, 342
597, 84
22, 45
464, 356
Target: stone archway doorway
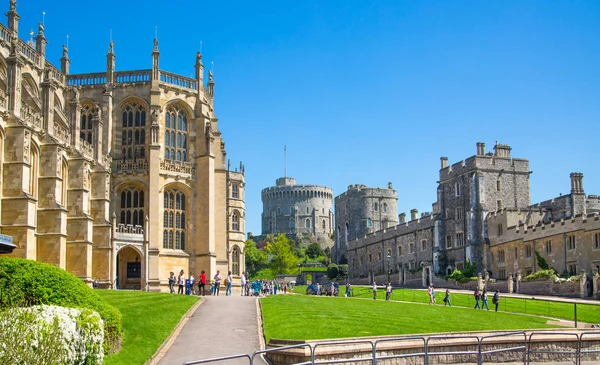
129, 269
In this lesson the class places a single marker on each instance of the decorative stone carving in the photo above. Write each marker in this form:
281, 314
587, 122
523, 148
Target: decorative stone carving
26, 137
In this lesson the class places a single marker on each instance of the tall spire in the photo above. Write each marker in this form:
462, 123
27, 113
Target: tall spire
199, 71
40, 40
110, 62
64, 60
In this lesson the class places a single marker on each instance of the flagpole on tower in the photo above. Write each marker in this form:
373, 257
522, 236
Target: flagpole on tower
285, 161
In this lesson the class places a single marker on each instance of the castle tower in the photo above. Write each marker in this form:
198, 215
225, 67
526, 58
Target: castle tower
467, 192
298, 210
362, 210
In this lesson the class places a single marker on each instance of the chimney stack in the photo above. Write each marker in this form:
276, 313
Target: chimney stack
577, 183
414, 214
443, 162
402, 218
480, 148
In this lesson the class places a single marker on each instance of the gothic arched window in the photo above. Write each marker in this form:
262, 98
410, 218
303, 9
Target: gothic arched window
132, 207
307, 223
235, 261
133, 131
235, 221
86, 128
174, 219
176, 134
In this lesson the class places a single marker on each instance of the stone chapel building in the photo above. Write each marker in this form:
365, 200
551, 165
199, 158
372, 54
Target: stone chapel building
115, 176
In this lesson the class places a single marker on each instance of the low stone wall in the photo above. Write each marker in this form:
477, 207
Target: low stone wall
549, 287
352, 350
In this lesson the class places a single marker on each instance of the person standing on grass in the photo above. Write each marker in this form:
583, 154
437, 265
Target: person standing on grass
172, 282
181, 282
217, 278
202, 284
447, 298
476, 295
496, 299
484, 300
430, 292
374, 291
388, 292
347, 289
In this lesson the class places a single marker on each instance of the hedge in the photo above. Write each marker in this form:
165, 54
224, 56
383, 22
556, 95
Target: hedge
25, 283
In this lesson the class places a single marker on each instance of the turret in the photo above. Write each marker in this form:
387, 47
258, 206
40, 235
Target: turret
13, 18
110, 64
155, 57
40, 42
64, 61
199, 71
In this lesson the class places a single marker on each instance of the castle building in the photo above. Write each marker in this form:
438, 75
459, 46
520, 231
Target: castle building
115, 176
298, 210
361, 210
483, 215
564, 232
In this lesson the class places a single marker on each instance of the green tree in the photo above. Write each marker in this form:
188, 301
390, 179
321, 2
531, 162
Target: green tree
332, 271
541, 261
255, 259
281, 257
314, 250
342, 271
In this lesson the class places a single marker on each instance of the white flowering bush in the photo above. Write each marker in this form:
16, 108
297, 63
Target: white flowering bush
51, 335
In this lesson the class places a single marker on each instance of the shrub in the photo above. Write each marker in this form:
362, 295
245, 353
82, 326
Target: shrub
458, 276
542, 263
332, 271
25, 283
51, 335
541, 275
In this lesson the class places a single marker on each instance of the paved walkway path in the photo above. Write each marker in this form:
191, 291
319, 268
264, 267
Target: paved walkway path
220, 326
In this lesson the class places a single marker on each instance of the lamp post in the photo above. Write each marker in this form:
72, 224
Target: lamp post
389, 257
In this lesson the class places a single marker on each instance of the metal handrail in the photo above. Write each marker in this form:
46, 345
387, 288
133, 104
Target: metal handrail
314, 350
514, 348
450, 337
573, 352
583, 352
400, 356
302, 345
221, 358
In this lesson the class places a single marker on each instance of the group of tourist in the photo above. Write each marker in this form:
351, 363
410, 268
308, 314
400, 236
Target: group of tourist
215, 283
261, 288
480, 297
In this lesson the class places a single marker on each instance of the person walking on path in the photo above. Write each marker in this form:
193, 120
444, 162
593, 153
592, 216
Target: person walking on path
202, 284
172, 282
447, 298
181, 282
496, 299
228, 284
217, 278
476, 295
484, 300
388, 292
243, 283
374, 291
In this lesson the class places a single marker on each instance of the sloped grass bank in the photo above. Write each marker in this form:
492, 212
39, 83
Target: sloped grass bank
303, 317
148, 319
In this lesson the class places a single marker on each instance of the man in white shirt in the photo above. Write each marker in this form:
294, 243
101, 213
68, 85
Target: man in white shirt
243, 283
218, 279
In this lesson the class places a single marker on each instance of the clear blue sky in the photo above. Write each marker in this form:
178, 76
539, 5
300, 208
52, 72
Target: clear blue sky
367, 91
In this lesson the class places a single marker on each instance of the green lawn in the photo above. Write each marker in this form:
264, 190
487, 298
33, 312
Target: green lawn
311, 318
588, 313
148, 319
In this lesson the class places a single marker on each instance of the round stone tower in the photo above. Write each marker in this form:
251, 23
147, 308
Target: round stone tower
362, 210
298, 210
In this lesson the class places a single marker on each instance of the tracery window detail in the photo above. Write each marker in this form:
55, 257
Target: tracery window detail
133, 131
174, 219
176, 134
132, 207
86, 129
235, 221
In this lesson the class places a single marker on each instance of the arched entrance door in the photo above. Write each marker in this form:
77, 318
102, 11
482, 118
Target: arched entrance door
129, 269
